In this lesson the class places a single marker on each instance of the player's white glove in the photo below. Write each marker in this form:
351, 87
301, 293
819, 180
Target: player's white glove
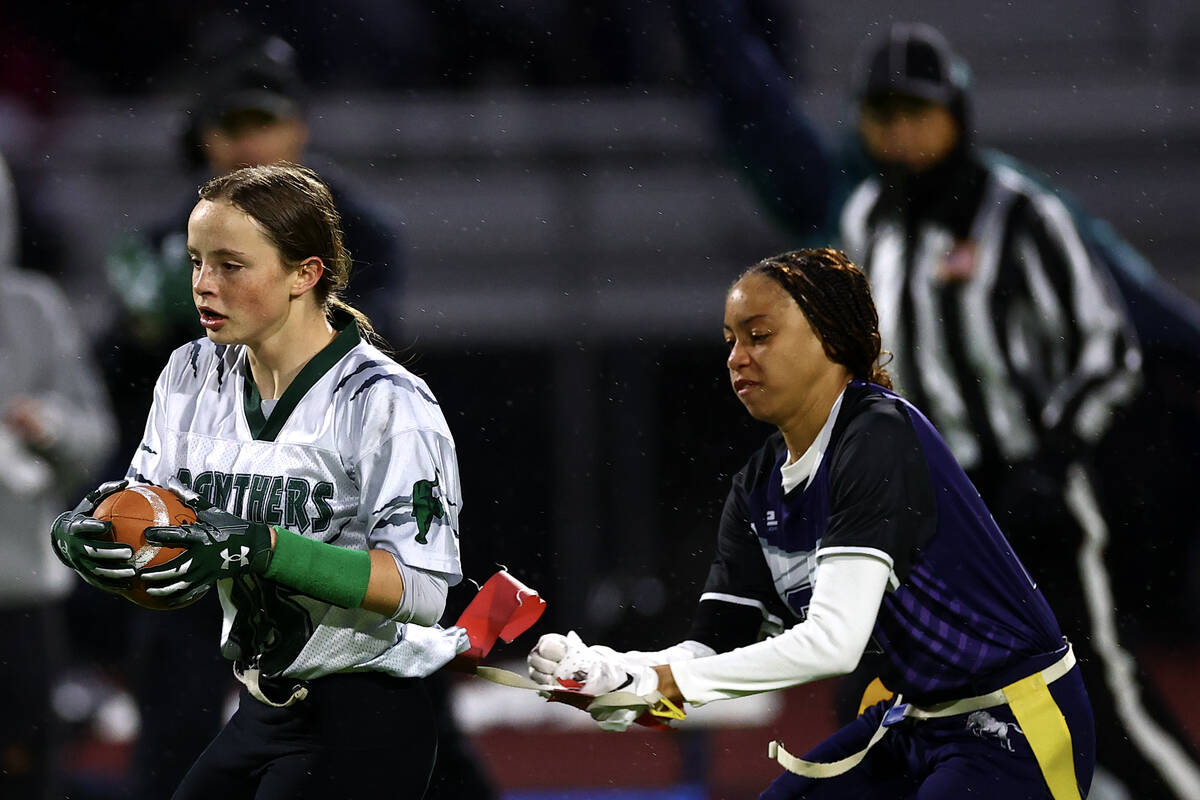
565, 663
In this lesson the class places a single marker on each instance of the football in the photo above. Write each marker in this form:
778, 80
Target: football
133, 510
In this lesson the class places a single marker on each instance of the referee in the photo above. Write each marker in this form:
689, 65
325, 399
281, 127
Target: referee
1013, 339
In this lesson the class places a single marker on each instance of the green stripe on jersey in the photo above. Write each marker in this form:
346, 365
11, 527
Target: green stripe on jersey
266, 428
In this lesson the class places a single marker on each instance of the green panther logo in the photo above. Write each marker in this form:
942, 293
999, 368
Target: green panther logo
426, 507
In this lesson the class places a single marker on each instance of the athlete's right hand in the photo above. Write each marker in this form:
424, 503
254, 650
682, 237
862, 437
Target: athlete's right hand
85, 544
545, 657
565, 664
219, 545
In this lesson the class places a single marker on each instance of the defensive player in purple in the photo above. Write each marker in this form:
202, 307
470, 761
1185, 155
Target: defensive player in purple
854, 528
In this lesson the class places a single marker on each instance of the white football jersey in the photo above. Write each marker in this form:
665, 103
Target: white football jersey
355, 453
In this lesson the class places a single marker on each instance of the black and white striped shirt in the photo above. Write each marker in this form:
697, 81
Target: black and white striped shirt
1002, 327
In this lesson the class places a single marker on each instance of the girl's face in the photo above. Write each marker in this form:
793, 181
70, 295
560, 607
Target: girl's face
777, 365
240, 284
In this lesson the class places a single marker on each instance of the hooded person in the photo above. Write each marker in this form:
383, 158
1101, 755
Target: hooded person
252, 110
55, 429
998, 302
912, 101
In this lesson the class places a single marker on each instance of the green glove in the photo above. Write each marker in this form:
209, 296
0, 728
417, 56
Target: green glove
219, 545
83, 543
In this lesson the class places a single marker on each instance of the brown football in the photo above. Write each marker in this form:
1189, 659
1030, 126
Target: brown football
133, 510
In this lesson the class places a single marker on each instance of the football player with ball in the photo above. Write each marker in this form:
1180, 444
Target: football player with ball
320, 495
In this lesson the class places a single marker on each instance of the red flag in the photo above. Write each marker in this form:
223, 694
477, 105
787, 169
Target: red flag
504, 608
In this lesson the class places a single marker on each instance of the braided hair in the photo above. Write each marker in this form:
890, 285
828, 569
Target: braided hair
835, 297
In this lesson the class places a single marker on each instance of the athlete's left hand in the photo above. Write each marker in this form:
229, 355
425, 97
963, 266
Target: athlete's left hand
219, 545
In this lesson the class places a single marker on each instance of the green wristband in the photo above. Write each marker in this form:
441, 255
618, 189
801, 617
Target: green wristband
327, 572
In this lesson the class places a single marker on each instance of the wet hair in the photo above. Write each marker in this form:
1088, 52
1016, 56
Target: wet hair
295, 210
836, 299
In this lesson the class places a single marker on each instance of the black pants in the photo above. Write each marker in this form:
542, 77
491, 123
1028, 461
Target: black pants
458, 774
30, 732
363, 735
181, 717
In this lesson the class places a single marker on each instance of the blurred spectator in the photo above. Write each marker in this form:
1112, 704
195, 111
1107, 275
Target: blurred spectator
953, 236
55, 428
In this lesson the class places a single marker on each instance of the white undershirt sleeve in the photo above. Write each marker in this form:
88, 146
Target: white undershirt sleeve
684, 651
841, 615
424, 598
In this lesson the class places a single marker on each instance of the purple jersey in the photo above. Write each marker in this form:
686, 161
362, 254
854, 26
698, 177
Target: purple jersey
960, 617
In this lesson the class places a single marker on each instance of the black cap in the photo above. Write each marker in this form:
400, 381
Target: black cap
913, 60
263, 78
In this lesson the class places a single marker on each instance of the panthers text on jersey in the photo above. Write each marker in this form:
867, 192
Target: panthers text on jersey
355, 453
